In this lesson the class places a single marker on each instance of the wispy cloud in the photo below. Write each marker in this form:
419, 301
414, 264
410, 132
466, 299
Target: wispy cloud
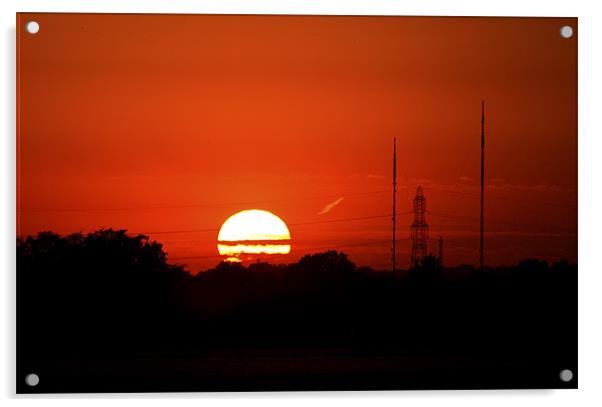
330, 206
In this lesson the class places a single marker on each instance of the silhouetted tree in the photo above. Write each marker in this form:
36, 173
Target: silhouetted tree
427, 268
533, 265
107, 293
93, 286
328, 262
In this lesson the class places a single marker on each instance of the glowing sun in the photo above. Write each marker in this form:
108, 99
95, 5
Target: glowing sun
253, 231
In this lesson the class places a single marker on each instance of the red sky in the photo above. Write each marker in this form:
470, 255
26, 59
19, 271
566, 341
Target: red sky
168, 124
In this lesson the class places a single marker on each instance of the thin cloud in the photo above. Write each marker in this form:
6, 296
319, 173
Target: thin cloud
330, 206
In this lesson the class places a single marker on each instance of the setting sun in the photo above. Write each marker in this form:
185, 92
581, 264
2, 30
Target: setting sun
253, 202
253, 231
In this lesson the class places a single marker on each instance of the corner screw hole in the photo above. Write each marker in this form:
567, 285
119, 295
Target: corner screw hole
566, 375
32, 27
566, 31
32, 379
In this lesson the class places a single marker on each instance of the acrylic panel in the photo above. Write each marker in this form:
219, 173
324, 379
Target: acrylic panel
272, 202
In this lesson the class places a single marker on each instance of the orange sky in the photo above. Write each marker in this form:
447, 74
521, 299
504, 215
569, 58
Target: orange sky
168, 124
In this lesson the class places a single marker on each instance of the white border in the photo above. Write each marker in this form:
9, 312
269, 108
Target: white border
590, 197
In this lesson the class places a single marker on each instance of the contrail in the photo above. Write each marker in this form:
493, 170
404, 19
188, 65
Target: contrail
329, 207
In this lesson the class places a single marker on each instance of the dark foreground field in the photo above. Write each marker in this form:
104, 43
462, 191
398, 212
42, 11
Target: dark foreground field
105, 312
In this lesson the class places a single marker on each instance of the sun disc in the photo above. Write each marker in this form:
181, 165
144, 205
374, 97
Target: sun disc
253, 231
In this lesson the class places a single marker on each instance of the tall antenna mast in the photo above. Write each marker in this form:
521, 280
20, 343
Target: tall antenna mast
393, 256
440, 251
481, 248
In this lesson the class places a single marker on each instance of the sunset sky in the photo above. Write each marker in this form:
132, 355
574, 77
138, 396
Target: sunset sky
168, 124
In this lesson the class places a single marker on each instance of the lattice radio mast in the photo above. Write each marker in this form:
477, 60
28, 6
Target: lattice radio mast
419, 228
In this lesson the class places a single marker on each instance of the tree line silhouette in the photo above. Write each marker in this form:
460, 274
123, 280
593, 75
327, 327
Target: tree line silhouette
109, 295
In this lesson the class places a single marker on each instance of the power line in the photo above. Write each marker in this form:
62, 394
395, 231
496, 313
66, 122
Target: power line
289, 224
346, 245
341, 220
353, 219
210, 205
502, 222
330, 247
502, 198
457, 246
140, 208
